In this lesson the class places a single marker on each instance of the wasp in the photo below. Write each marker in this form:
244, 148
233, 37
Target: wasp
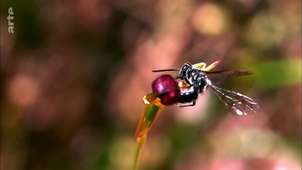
195, 79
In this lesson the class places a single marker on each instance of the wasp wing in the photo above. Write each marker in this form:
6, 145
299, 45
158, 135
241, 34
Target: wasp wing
218, 77
238, 103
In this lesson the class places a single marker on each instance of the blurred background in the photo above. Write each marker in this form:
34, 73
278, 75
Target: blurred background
73, 75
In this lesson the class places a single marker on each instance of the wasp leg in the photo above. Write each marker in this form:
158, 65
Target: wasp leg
178, 77
187, 105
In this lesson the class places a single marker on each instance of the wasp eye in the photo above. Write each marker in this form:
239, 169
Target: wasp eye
168, 89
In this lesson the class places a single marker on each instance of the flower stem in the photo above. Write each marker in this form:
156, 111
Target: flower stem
140, 141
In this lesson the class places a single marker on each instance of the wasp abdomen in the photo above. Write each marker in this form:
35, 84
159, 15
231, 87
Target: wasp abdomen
187, 95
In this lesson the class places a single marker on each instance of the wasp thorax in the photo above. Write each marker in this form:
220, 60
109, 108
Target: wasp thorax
168, 89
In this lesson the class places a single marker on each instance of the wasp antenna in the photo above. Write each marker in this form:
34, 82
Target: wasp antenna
165, 70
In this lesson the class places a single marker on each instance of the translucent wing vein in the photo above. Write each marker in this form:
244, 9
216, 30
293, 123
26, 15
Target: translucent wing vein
238, 103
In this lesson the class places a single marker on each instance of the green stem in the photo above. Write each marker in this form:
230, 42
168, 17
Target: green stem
139, 146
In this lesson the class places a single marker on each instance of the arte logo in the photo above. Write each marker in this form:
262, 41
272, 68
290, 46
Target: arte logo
10, 19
